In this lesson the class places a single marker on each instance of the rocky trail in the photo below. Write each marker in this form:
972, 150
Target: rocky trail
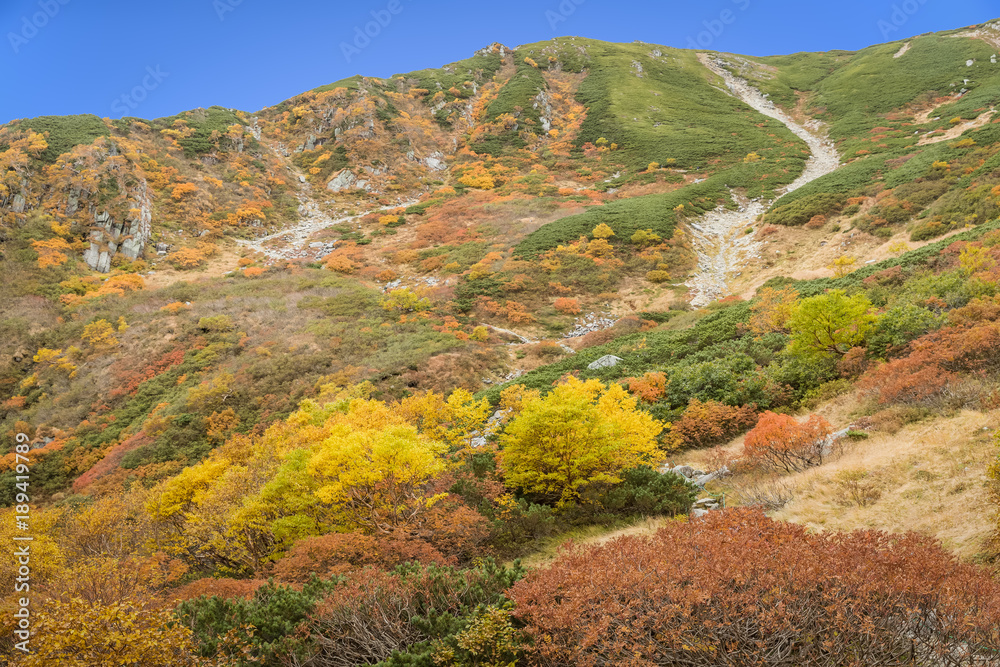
720, 240
291, 243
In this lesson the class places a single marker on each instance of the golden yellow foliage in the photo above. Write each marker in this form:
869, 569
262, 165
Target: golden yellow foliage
581, 433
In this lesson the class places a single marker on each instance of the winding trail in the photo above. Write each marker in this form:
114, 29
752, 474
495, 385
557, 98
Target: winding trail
719, 237
313, 220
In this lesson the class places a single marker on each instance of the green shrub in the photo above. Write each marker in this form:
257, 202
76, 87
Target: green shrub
644, 491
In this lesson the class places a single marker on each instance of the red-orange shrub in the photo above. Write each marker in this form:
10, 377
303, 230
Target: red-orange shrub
935, 362
453, 529
711, 423
567, 306
339, 553
650, 387
781, 442
737, 588
223, 588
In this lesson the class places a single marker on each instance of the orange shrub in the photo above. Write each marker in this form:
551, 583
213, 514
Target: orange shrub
935, 362
711, 423
737, 588
517, 313
223, 588
254, 271
175, 307
781, 442
186, 259
816, 221
340, 553
650, 387
567, 306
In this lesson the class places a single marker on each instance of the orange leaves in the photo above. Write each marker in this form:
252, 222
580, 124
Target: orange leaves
254, 271
341, 553
186, 259
738, 586
183, 190
650, 388
935, 361
711, 423
781, 442
51, 252
175, 307
567, 306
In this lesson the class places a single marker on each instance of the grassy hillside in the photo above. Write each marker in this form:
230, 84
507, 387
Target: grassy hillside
335, 366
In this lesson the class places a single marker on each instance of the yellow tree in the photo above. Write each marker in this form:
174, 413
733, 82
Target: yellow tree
100, 334
581, 433
772, 309
602, 231
842, 265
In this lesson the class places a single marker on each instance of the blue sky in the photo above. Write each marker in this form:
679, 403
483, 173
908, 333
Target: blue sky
151, 58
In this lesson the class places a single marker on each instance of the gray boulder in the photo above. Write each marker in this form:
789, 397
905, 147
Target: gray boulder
683, 471
607, 361
343, 180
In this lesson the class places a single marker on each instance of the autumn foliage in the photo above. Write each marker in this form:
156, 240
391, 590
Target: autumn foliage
710, 423
737, 588
582, 433
781, 442
929, 374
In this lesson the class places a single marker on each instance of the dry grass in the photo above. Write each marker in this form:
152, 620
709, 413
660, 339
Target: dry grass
932, 479
929, 477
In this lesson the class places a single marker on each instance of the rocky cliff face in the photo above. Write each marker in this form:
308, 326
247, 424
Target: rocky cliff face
127, 236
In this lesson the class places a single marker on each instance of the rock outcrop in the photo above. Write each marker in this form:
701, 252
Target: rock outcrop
128, 236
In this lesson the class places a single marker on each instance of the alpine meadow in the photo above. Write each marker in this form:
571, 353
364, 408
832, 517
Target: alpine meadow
569, 353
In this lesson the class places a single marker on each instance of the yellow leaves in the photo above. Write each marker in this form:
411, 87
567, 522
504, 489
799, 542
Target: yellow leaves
100, 335
455, 420
975, 260
59, 229
899, 247
772, 309
210, 395
388, 220
80, 633
405, 300
599, 248
579, 434
752, 157
57, 360
842, 265
174, 497
602, 231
